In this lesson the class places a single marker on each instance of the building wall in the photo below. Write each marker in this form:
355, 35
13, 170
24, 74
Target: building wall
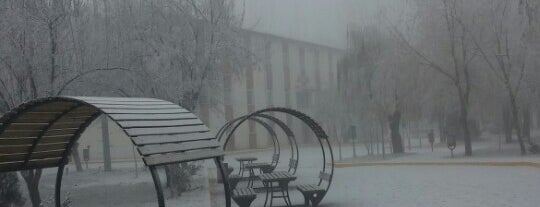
273, 81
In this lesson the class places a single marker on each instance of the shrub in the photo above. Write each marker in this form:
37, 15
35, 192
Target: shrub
10, 195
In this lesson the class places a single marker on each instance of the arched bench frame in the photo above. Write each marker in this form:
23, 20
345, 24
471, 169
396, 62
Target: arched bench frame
293, 161
163, 132
321, 135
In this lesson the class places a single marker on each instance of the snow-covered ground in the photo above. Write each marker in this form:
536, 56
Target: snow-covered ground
369, 186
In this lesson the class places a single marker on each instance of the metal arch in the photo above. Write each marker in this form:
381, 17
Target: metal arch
315, 127
63, 161
290, 136
275, 141
281, 124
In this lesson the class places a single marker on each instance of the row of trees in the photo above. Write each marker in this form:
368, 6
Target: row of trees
168, 49
439, 59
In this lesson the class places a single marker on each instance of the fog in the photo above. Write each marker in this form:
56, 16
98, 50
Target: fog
320, 21
345, 102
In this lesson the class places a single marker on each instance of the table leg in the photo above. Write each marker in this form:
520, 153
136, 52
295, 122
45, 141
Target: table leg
271, 193
283, 186
241, 169
251, 176
267, 192
288, 197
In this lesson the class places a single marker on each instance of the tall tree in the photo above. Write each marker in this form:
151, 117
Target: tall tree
506, 54
454, 62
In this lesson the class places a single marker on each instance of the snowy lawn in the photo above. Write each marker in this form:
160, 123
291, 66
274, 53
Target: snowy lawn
430, 186
373, 186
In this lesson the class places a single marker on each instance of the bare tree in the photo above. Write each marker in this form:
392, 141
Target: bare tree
457, 53
505, 53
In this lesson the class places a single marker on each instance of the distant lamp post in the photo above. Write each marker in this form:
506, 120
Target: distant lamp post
451, 145
86, 155
352, 134
431, 138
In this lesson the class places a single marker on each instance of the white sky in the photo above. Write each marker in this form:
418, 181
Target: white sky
318, 21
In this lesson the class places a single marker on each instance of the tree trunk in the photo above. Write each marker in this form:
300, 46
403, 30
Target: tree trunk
76, 157
507, 124
32, 177
393, 123
382, 139
106, 143
464, 115
515, 120
537, 118
526, 123
442, 135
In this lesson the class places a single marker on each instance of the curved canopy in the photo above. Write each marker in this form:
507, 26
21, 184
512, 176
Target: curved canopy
41, 133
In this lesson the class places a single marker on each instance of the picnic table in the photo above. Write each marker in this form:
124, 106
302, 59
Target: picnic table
282, 179
243, 161
251, 167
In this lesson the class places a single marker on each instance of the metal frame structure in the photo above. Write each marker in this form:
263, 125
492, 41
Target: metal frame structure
322, 137
293, 161
41, 134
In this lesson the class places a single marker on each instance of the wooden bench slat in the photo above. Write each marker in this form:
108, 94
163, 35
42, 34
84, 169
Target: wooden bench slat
166, 130
27, 126
32, 164
46, 119
128, 99
156, 139
143, 103
160, 123
243, 193
14, 149
325, 176
185, 146
61, 125
170, 158
59, 132
12, 157
55, 139
51, 146
47, 154
20, 133
145, 111
17, 141
54, 106
127, 106
36, 155
132, 117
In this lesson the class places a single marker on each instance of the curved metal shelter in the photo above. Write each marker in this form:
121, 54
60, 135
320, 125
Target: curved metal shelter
226, 132
326, 173
41, 133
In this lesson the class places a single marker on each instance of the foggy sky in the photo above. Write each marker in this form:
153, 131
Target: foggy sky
318, 21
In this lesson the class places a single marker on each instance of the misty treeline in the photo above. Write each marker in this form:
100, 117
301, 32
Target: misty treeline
459, 67
169, 49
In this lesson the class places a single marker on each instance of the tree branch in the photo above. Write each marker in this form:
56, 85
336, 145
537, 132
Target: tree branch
80, 75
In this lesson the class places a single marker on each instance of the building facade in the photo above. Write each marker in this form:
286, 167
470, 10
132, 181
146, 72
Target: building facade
285, 73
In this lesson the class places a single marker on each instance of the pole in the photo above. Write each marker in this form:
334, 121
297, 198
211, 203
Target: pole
382, 138
135, 159
106, 144
500, 140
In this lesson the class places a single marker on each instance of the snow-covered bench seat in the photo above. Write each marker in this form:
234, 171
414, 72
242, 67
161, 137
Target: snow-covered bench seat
314, 192
244, 196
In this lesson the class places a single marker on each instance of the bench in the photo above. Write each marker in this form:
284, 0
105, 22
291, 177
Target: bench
244, 196
270, 167
234, 179
313, 193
